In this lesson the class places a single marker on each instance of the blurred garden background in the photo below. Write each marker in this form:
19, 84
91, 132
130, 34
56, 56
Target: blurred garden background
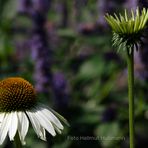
64, 48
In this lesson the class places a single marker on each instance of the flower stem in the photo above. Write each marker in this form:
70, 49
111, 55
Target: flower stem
17, 141
130, 63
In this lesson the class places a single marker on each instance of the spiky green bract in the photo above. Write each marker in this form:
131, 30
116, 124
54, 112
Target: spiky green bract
128, 30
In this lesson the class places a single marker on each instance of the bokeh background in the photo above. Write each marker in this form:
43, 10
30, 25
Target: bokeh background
63, 47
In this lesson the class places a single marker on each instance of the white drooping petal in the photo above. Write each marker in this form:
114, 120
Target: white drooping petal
57, 129
1, 117
43, 133
40, 131
13, 125
5, 127
45, 123
23, 125
59, 116
51, 117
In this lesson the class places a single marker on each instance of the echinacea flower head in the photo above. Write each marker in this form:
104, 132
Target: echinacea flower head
18, 106
128, 30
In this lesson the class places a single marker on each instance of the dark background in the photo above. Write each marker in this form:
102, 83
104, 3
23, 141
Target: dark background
64, 48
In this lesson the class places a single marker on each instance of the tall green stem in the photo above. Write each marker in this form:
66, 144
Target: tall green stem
17, 141
130, 63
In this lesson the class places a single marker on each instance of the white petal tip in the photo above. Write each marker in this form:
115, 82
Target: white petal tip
53, 134
43, 138
23, 142
12, 139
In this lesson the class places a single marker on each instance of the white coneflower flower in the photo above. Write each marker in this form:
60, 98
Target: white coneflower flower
18, 105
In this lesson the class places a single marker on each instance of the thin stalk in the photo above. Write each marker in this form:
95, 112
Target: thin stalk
130, 63
17, 141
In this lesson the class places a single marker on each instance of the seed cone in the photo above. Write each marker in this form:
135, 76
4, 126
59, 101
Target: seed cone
16, 94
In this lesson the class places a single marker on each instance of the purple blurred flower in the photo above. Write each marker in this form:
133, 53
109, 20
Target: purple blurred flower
27, 6
42, 54
109, 113
24, 6
112, 56
59, 81
41, 6
61, 90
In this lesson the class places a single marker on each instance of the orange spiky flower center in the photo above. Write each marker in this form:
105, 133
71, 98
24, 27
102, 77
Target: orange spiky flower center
16, 94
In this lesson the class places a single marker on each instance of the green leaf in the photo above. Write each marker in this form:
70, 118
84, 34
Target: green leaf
108, 133
91, 69
69, 33
10, 9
